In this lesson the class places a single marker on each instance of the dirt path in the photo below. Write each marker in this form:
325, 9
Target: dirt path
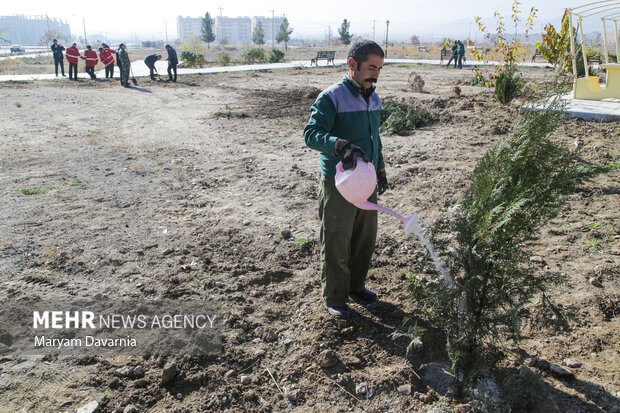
133, 187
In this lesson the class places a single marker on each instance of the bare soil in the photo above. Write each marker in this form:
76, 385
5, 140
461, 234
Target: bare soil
214, 168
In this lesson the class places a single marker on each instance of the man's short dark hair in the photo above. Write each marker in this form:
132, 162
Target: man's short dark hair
362, 49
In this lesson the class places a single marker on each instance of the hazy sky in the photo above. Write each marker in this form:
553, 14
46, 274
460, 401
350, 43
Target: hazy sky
306, 17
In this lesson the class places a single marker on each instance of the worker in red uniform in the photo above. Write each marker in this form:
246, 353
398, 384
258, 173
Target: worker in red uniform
73, 54
106, 55
91, 61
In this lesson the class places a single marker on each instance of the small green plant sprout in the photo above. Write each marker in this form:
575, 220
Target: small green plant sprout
228, 113
507, 85
412, 333
416, 83
77, 184
301, 242
32, 191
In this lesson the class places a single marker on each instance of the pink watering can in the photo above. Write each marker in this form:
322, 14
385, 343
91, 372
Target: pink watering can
357, 184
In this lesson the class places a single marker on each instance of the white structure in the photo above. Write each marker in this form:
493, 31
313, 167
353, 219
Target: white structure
29, 30
233, 30
271, 27
188, 27
229, 30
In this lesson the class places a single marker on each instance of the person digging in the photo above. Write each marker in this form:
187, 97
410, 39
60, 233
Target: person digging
344, 126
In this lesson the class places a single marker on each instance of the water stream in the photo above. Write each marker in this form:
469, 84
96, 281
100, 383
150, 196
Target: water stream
413, 227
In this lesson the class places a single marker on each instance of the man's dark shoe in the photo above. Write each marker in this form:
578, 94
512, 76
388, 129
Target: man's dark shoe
365, 295
339, 311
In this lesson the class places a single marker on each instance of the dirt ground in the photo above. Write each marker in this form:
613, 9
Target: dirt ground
205, 190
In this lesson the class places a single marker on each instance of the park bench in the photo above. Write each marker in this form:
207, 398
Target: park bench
422, 49
594, 59
323, 54
445, 54
536, 54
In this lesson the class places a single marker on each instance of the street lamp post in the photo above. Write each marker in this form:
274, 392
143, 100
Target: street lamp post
387, 28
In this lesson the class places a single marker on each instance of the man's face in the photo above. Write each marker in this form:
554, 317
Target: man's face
367, 72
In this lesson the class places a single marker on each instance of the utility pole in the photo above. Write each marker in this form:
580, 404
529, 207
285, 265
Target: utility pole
273, 33
329, 35
166, 29
219, 26
84, 24
373, 30
387, 27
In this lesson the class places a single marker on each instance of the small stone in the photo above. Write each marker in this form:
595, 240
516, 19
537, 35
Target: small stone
572, 363
270, 336
259, 353
245, 380
180, 396
348, 331
229, 374
537, 259
287, 341
130, 408
286, 234
361, 388
404, 389
169, 372
139, 285
245, 223
121, 372
167, 251
327, 358
293, 396
560, 371
90, 407
138, 372
595, 282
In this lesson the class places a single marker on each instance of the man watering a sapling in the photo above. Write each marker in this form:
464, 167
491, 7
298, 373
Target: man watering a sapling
344, 126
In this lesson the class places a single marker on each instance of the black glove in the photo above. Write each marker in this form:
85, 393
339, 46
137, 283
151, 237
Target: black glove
349, 153
382, 183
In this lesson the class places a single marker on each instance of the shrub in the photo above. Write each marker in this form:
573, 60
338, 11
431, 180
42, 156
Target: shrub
517, 187
192, 59
416, 82
253, 55
223, 59
276, 55
397, 117
507, 85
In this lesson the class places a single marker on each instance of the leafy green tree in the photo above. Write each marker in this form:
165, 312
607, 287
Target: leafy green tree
284, 35
343, 31
206, 32
258, 36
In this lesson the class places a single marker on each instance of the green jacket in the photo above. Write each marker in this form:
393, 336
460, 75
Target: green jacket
341, 112
460, 49
123, 58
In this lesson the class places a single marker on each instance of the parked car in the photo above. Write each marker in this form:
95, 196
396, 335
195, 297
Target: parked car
17, 49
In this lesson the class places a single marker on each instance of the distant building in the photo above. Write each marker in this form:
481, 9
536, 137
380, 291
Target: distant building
229, 30
188, 27
29, 30
233, 30
271, 27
